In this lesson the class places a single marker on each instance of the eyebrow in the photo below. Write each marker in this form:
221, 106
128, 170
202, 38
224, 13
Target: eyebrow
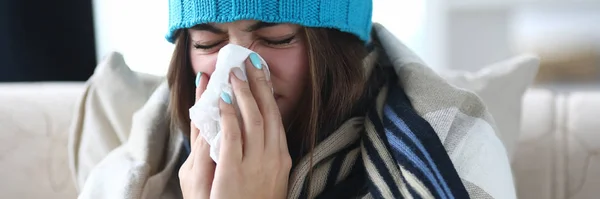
254, 27
208, 27
259, 25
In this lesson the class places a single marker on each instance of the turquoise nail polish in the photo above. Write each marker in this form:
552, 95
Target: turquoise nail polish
255, 59
226, 98
198, 76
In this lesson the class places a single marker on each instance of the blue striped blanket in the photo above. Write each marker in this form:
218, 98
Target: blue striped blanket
392, 152
421, 138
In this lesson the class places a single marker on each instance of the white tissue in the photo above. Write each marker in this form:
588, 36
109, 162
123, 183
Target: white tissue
205, 114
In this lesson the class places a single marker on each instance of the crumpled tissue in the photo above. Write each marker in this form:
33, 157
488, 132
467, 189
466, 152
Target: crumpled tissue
205, 113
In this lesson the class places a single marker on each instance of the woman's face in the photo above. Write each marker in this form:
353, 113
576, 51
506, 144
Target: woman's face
280, 45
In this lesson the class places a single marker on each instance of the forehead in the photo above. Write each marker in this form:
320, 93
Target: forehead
241, 24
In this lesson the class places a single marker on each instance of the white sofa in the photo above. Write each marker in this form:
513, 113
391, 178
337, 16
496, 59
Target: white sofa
558, 155
34, 123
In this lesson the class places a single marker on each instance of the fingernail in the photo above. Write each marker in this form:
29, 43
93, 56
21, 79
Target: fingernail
255, 59
226, 98
239, 73
198, 77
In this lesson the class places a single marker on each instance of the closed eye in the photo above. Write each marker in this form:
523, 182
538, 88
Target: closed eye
206, 47
280, 42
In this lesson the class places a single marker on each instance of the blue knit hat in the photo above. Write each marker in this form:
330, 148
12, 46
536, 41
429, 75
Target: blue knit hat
353, 16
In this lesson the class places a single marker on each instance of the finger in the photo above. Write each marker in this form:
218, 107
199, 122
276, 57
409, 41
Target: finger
194, 132
203, 167
187, 164
231, 140
253, 128
283, 146
201, 82
262, 91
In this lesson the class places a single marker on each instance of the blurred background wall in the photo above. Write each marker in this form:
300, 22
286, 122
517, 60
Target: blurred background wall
46, 40
141, 35
564, 33
43, 40
447, 34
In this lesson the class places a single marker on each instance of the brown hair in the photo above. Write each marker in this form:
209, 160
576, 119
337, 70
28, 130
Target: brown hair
336, 85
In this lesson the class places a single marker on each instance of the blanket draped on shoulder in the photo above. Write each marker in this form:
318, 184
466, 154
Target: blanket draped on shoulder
391, 152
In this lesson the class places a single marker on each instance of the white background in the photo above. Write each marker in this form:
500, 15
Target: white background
138, 31
447, 34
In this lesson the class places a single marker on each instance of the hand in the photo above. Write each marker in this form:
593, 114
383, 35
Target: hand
254, 161
196, 173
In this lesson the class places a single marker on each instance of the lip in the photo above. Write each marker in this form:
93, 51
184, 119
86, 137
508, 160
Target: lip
276, 96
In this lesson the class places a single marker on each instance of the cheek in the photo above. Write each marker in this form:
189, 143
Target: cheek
288, 67
289, 71
204, 63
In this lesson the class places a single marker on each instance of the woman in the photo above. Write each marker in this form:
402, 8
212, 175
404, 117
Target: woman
352, 114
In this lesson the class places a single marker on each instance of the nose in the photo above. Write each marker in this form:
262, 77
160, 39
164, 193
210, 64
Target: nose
249, 43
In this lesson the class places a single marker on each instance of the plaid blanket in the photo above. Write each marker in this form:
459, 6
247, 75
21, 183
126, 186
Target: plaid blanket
417, 141
399, 149
392, 153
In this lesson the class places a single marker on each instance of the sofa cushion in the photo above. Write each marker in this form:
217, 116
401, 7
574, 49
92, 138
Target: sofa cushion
538, 114
534, 158
558, 155
501, 87
34, 124
104, 113
582, 135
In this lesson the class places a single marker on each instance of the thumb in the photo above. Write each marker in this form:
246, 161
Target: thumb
203, 167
